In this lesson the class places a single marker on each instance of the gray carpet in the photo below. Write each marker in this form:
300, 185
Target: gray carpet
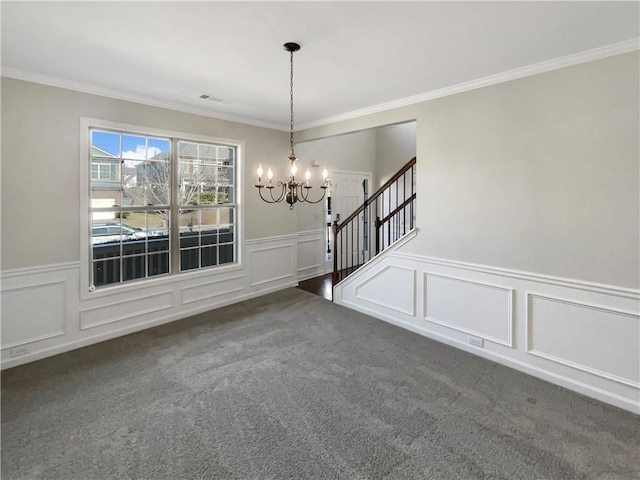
291, 386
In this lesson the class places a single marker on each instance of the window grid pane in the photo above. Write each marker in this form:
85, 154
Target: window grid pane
209, 232
130, 179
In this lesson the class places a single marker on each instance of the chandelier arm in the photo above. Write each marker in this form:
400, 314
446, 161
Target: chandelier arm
265, 199
282, 193
302, 194
306, 200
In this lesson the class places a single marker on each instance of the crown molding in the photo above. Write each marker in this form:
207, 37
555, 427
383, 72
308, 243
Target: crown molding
620, 48
131, 97
586, 56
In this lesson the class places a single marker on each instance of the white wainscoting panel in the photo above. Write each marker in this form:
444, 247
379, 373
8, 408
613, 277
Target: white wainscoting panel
602, 341
580, 335
311, 254
211, 289
125, 309
391, 287
45, 313
37, 307
269, 264
480, 309
34, 312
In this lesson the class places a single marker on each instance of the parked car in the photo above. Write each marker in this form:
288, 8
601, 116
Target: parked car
115, 232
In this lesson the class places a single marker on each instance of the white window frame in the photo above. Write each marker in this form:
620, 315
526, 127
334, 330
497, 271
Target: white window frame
175, 276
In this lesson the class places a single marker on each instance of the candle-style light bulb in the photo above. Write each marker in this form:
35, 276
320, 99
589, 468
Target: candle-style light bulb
269, 175
260, 172
325, 174
294, 169
307, 175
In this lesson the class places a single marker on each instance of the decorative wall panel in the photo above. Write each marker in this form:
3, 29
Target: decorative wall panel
392, 287
269, 264
595, 339
124, 310
472, 307
32, 313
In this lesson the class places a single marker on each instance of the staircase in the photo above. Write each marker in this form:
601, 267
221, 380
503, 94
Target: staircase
382, 219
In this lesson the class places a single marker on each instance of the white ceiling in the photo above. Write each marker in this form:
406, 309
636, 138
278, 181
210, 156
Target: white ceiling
354, 54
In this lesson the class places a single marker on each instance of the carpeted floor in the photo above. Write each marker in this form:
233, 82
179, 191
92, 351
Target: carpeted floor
291, 386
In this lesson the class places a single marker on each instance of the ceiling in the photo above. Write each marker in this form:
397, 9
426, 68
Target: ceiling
354, 55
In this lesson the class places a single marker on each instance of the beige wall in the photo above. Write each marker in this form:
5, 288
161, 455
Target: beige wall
40, 159
379, 151
395, 146
539, 174
355, 152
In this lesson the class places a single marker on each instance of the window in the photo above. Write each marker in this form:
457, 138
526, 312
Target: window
150, 194
206, 204
104, 171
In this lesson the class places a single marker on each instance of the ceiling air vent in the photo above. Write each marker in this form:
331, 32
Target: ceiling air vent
204, 96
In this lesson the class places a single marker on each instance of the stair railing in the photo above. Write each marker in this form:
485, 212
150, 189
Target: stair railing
392, 207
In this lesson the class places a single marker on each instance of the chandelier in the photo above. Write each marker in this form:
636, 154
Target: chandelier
291, 191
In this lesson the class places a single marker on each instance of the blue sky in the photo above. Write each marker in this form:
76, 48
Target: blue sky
132, 146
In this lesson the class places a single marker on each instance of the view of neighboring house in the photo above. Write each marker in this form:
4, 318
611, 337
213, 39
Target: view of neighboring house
105, 182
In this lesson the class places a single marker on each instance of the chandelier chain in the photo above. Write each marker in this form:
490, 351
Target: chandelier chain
292, 191
291, 105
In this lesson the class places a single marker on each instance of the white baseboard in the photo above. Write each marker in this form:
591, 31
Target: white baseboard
44, 312
553, 339
579, 335
62, 347
549, 376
